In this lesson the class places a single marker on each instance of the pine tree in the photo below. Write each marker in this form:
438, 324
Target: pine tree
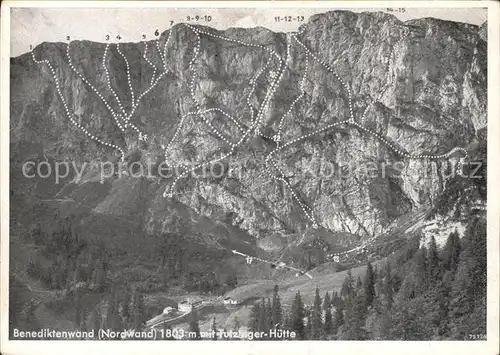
113, 317
277, 316
193, 324
137, 309
432, 262
355, 320
327, 303
85, 317
336, 299
308, 333
369, 285
287, 321
359, 285
451, 252
298, 316
468, 292
253, 323
421, 271
339, 319
263, 323
348, 285
126, 312
236, 324
387, 286
214, 329
328, 326
96, 320
99, 276
269, 315
316, 315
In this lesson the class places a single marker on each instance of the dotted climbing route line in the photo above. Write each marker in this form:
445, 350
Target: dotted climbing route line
118, 117
166, 45
192, 87
72, 67
257, 116
287, 113
149, 63
349, 121
277, 137
68, 113
331, 70
124, 113
108, 80
163, 60
269, 93
253, 86
154, 81
144, 94
278, 265
193, 113
128, 74
247, 44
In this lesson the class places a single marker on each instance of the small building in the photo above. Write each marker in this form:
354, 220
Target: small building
185, 306
168, 310
196, 304
230, 302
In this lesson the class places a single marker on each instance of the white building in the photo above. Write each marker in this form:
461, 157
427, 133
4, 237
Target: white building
230, 302
168, 310
185, 306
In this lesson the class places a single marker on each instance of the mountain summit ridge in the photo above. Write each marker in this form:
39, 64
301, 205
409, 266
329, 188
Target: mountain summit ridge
424, 79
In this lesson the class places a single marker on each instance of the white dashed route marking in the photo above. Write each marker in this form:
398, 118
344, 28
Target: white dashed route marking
68, 113
129, 80
269, 93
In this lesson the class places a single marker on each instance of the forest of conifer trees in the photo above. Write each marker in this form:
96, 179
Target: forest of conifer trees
420, 293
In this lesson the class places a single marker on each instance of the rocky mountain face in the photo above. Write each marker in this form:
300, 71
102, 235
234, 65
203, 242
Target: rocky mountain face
425, 82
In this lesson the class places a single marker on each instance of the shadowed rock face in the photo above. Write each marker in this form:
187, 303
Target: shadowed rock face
434, 100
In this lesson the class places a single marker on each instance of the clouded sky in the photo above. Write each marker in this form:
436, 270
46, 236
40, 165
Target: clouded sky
31, 26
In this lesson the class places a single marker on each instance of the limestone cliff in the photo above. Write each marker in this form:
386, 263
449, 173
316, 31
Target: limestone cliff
424, 79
